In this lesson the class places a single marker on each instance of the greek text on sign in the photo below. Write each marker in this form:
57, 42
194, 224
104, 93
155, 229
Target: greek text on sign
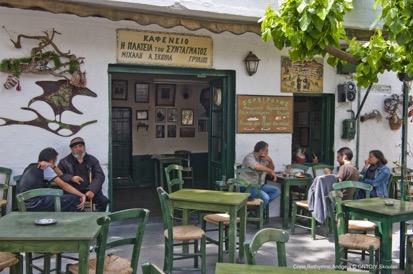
166, 49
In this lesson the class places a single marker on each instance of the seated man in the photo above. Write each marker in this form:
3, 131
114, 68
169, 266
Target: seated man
39, 175
83, 172
346, 171
259, 160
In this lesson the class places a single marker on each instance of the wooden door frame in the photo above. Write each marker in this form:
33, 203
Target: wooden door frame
328, 119
229, 75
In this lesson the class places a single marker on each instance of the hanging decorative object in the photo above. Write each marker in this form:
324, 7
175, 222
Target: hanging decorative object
374, 114
11, 82
391, 106
45, 58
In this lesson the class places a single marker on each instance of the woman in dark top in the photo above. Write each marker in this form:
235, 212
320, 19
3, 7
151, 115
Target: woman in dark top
377, 174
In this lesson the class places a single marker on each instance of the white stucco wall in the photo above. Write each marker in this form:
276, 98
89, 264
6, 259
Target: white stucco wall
95, 39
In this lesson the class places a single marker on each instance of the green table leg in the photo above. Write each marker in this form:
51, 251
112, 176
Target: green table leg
286, 204
185, 221
242, 228
402, 243
232, 234
386, 247
83, 257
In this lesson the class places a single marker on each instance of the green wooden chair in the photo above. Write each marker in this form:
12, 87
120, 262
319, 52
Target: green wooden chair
280, 237
187, 170
303, 206
16, 179
178, 236
148, 268
21, 198
262, 213
318, 169
112, 263
174, 181
5, 174
354, 241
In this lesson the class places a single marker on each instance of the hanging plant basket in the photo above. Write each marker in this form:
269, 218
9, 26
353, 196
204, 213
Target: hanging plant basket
395, 122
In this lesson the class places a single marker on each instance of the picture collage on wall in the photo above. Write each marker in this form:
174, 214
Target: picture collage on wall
168, 119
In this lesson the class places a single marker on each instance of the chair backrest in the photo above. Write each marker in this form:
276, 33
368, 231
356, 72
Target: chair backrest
280, 237
185, 155
4, 183
140, 216
337, 214
167, 215
148, 268
22, 197
319, 169
354, 184
238, 170
173, 174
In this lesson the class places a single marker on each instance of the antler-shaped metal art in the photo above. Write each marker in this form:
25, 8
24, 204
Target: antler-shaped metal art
53, 61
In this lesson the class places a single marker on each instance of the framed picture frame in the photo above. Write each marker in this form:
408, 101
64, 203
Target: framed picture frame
165, 95
171, 115
160, 115
203, 125
171, 131
187, 117
187, 132
160, 131
142, 115
119, 90
141, 92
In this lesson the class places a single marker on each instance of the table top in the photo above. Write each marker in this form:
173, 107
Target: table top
209, 196
161, 157
293, 177
225, 268
69, 226
377, 205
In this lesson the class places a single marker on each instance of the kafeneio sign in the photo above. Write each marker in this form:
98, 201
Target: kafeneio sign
165, 49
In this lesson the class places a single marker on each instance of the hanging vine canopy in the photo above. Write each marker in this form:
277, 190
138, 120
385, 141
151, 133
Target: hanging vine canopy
315, 27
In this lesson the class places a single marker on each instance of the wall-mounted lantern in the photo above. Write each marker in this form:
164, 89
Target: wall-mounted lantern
251, 63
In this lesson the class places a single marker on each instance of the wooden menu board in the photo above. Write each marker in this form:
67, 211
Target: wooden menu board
264, 114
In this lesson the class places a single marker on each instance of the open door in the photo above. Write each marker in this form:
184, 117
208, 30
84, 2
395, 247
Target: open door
121, 143
217, 134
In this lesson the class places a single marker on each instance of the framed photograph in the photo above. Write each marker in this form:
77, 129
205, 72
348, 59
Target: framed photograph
119, 89
171, 114
185, 132
171, 131
203, 125
141, 93
160, 116
141, 115
187, 117
160, 131
165, 95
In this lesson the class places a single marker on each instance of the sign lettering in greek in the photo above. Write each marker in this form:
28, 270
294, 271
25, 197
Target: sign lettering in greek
265, 114
166, 49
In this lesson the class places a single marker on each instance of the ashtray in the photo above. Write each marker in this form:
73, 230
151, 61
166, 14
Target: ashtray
388, 202
45, 221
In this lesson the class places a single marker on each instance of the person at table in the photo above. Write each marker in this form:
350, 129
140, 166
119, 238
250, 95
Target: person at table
40, 175
377, 174
84, 172
261, 161
347, 171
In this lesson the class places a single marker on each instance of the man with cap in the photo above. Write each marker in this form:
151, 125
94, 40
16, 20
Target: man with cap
84, 172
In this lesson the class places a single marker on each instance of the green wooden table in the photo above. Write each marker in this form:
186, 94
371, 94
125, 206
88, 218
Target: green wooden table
216, 201
222, 268
374, 209
286, 183
73, 232
159, 162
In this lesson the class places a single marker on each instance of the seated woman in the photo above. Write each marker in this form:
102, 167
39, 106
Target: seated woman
377, 174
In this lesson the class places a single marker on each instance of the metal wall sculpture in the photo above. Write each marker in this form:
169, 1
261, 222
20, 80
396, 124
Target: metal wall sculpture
46, 58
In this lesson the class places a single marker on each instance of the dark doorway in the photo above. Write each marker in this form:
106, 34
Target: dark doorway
314, 127
121, 143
